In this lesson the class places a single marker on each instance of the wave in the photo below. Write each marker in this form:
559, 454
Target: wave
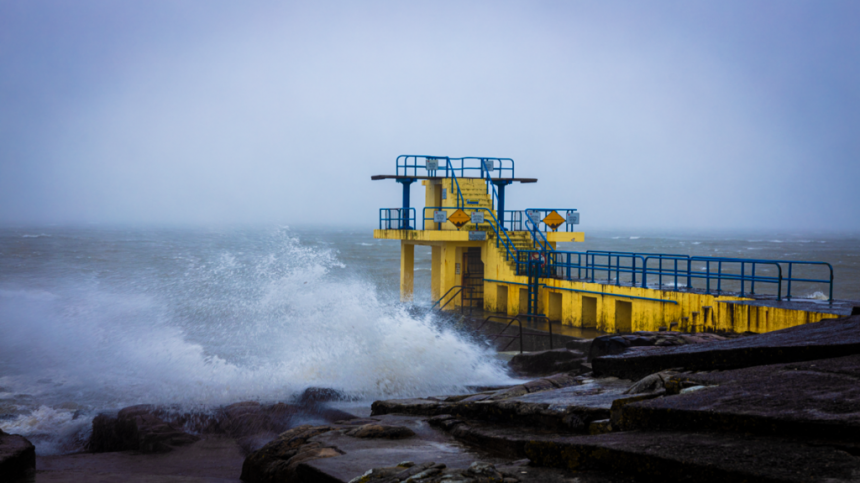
225, 328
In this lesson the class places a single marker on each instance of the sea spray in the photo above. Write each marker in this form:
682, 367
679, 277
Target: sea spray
210, 322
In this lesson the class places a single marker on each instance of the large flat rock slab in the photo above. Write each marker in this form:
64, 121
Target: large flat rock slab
819, 340
813, 399
568, 408
699, 457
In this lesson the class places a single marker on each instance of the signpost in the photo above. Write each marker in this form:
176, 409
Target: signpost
553, 220
459, 218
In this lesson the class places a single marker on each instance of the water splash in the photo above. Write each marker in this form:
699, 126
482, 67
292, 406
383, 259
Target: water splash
202, 328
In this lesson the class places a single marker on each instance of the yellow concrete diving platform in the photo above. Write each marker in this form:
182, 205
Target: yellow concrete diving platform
486, 257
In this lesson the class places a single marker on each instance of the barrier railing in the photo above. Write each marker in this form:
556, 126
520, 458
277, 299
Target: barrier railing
511, 320
393, 219
491, 221
716, 274
537, 215
446, 167
459, 289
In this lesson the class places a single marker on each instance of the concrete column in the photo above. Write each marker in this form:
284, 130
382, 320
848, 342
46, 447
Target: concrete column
436, 273
407, 271
447, 276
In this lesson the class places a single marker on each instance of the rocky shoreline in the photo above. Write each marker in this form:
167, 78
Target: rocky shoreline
649, 406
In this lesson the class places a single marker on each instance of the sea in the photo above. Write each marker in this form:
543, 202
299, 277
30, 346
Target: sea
94, 318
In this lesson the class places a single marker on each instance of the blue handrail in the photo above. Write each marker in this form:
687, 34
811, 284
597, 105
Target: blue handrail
460, 200
585, 266
537, 235
502, 235
410, 164
392, 219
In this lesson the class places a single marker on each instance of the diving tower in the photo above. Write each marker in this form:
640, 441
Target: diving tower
487, 257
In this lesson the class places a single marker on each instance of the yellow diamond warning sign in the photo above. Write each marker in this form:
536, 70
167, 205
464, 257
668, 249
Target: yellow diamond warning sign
553, 220
459, 218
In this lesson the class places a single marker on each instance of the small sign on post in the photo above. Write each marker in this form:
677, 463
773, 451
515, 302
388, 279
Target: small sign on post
553, 220
444, 193
477, 217
572, 217
477, 235
440, 217
459, 218
488, 163
432, 164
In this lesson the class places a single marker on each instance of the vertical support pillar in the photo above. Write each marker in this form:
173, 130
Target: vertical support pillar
500, 214
404, 223
407, 271
435, 273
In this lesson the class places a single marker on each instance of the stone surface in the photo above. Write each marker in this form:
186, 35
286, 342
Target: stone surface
140, 428
547, 362
699, 457
277, 461
17, 457
581, 345
213, 459
815, 399
819, 340
375, 430
618, 344
568, 405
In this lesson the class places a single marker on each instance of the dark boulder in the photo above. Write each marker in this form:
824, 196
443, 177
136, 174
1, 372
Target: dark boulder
17, 457
547, 362
139, 428
278, 460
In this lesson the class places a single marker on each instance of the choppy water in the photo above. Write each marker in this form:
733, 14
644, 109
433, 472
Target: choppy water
98, 318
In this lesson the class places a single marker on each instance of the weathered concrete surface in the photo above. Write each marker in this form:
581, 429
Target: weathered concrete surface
561, 403
820, 340
699, 457
17, 457
815, 399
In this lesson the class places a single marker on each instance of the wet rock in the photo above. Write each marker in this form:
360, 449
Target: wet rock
17, 457
651, 383
315, 395
813, 399
477, 472
375, 430
608, 345
699, 457
819, 340
581, 345
277, 461
140, 428
547, 362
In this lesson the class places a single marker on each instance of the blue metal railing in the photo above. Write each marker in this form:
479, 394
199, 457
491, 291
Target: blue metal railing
599, 266
539, 214
413, 164
491, 221
393, 219
539, 239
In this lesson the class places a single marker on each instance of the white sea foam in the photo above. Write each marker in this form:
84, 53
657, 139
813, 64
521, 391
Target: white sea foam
634, 237
35, 236
223, 330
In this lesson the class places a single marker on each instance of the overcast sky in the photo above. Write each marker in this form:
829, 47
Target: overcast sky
722, 114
